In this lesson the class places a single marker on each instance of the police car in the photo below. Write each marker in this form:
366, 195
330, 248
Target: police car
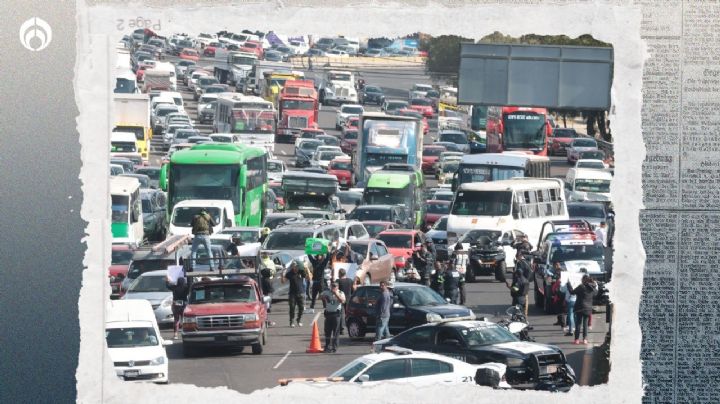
529, 365
578, 251
400, 365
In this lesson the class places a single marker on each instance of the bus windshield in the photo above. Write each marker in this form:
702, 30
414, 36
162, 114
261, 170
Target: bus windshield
120, 208
253, 121
588, 185
388, 196
523, 130
482, 203
480, 173
204, 181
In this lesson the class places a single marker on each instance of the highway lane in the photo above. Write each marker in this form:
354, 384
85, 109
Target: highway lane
285, 356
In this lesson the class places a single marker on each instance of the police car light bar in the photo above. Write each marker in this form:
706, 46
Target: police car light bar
398, 350
453, 319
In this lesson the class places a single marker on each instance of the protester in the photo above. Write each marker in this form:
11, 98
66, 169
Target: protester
180, 293
202, 225
383, 307
296, 292
583, 306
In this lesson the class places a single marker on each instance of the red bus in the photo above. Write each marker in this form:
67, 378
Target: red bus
517, 129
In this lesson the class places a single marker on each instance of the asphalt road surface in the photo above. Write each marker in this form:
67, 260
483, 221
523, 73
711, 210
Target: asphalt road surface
284, 355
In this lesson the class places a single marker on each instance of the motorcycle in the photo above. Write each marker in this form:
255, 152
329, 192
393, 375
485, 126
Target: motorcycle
517, 323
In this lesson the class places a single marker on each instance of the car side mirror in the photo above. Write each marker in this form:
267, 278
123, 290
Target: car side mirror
373, 257
364, 378
451, 342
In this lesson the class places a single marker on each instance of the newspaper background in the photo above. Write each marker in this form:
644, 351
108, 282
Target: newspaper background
679, 358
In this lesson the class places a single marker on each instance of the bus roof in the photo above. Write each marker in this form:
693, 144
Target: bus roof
390, 179
387, 117
592, 174
123, 185
218, 153
511, 184
502, 159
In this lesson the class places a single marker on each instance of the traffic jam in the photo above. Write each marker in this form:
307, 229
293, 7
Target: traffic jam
281, 214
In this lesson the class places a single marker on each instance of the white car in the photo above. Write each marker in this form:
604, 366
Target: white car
205, 100
224, 138
275, 170
578, 145
401, 365
194, 78
322, 158
419, 91
592, 164
345, 112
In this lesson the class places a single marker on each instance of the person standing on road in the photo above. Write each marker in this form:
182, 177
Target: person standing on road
522, 245
296, 292
522, 264
570, 300
202, 225
458, 260
452, 284
423, 263
267, 273
585, 294
383, 307
319, 263
334, 299
518, 288
180, 293
601, 233
437, 281
346, 286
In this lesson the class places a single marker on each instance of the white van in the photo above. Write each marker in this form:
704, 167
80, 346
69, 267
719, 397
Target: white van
587, 184
134, 342
222, 212
176, 97
518, 203
124, 144
127, 217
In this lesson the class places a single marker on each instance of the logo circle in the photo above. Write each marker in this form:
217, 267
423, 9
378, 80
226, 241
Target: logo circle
35, 34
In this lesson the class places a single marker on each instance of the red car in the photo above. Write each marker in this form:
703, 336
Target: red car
423, 106
225, 313
341, 167
348, 142
415, 114
430, 156
209, 50
435, 209
375, 227
190, 54
277, 189
560, 140
253, 47
119, 265
352, 123
401, 244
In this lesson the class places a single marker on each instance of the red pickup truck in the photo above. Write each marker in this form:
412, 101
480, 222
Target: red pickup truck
225, 313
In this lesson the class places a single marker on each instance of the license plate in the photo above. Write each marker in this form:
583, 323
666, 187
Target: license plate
132, 373
551, 369
221, 338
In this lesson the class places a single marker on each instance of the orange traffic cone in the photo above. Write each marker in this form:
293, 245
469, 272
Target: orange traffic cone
315, 346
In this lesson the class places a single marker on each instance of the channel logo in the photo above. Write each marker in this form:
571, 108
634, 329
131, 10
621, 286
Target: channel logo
35, 34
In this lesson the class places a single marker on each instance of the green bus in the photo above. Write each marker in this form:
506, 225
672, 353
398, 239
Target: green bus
219, 171
398, 184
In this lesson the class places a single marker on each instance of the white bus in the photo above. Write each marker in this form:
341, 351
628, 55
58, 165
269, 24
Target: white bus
519, 203
588, 184
251, 117
127, 218
500, 166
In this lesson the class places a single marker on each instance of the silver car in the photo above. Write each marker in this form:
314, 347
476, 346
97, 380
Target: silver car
151, 286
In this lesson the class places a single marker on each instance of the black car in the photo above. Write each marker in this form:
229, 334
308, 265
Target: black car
530, 365
305, 151
153, 173
207, 114
154, 215
372, 94
382, 213
413, 305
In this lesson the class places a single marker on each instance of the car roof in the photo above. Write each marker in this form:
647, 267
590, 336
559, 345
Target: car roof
158, 273
408, 232
376, 206
437, 201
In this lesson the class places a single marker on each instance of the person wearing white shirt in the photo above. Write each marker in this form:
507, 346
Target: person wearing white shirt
601, 233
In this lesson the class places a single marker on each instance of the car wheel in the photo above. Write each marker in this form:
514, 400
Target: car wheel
367, 281
355, 328
538, 297
188, 350
257, 348
500, 271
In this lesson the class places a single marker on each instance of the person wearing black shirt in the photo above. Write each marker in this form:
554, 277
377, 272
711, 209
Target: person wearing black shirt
296, 292
235, 243
319, 263
346, 286
180, 293
518, 289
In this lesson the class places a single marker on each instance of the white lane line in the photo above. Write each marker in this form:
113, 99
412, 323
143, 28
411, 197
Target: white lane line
317, 316
277, 365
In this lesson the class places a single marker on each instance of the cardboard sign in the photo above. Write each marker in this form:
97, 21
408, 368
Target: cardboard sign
316, 246
175, 272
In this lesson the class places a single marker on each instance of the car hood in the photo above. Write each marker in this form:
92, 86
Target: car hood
208, 309
582, 149
593, 267
153, 297
293, 253
564, 140
140, 353
437, 234
445, 310
400, 252
517, 348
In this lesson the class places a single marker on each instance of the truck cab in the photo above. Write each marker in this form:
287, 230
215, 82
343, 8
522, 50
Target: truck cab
338, 87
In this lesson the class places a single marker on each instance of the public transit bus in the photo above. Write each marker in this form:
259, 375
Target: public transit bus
385, 139
249, 116
517, 128
127, 218
401, 185
500, 166
518, 203
222, 171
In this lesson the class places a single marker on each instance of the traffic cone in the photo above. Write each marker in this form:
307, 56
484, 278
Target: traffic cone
315, 346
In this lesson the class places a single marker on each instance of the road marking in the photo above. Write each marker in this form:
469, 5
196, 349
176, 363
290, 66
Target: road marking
317, 316
277, 365
586, 366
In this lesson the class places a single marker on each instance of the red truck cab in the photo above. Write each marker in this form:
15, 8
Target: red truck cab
119, 265
297, 109
225, 313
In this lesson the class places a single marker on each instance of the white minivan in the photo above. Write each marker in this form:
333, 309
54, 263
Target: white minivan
588, 184
134, 342
221, 211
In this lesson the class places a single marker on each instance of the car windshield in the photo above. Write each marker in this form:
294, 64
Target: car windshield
588, 185
330, 141
482, 203
432, 151
453, 137
212, 90
582, 210
121, 257
372, 89
286, 240
309, 146
272, 222
340, 165
419, 296
474, 235
374, 229
450, 168
183, 216
274, 167
438, 208
595, 164
567, 133
584, 143
420, 101
327, 156
242, 293
351, 370
396, 240
361, 249
363, 214
146, 284
130, 337
351, 135
593, 154
563, 253
396, 105
351, 110
432, 94
349, 197
138, 268
441, 224
221, 139
487, 335
152, 173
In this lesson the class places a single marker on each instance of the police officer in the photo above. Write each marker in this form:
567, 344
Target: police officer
437, 281
267, 272
522, 245
333, 300
423, 263
518, 288
458, 260
452, 284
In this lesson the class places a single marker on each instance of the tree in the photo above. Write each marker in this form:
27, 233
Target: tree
443, 59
